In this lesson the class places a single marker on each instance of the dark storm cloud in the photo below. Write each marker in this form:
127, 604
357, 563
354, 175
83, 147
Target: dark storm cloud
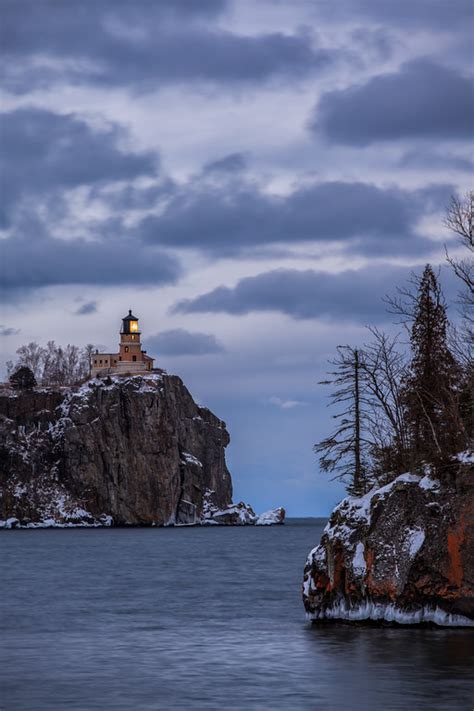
437, 14
350, 295
32, 262
353, 295
228, 218
421, 100
140, 44
90, 307
8, 330
179, 342
43, 151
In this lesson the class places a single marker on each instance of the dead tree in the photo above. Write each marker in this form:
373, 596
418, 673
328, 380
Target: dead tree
385, 368
344, 452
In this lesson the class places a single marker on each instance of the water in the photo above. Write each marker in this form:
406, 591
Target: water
200, 618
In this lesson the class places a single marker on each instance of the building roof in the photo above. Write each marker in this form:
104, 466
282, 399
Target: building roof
130, 316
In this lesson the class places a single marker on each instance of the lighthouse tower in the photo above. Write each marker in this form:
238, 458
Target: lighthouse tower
130, 359
130, 345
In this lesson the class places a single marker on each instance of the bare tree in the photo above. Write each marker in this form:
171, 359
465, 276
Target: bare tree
54, 365
460, 220
385, 368
86, 355
31, 356
344, 452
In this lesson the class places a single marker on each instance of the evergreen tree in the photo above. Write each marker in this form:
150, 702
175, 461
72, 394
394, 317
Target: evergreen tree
23, 378
431, 385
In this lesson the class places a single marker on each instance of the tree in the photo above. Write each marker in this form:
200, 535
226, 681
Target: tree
384, 369
344, 452
460, 220
431, 383
54, 365
85, 363
31, 356
23, 378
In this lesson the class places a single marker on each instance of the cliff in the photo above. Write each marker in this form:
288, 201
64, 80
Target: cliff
134, 451
403, 553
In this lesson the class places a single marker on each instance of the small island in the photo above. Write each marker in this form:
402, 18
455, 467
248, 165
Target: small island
400, 547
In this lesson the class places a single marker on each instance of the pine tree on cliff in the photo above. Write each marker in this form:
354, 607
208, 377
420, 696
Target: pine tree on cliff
344, 451
431, 385
23, 379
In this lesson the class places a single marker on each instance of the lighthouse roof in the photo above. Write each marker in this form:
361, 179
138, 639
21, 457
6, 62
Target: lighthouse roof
130, 316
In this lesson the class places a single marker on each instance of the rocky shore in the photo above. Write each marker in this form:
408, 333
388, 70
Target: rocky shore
116, 451
403, 553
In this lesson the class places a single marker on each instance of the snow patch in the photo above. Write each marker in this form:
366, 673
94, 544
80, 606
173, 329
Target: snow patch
466, 457
414, 539
428, 484
358, 561
188, 458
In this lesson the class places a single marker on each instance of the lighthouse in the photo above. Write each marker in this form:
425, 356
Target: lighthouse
130, 359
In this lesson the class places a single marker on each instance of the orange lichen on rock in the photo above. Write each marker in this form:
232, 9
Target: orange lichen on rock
456, 542
455, 539
385, 587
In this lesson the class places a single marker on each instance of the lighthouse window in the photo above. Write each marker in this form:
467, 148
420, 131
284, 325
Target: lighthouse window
133, 337
126, 349
133, 325
134, 358
95, 362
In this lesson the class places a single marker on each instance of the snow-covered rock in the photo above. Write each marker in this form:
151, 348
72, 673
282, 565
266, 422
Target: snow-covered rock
271, 518
235, 515
240, 514
402, 553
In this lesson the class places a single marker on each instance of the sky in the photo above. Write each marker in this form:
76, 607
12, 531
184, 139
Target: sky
249, 178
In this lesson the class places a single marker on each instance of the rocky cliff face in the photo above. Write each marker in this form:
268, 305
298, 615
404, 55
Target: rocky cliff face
402, 553
134, 450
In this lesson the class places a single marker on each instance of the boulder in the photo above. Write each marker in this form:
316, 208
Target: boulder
403, 553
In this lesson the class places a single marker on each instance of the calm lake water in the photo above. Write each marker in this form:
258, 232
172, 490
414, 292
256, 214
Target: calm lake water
200, 618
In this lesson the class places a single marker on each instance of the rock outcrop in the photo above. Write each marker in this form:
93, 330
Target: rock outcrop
240, 514
127, 451
403, 553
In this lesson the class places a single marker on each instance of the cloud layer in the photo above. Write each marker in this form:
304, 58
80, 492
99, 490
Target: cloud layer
141, 45
422, 100
236, 215
352, 295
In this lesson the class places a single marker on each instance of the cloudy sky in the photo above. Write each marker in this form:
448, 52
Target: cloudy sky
249, 177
